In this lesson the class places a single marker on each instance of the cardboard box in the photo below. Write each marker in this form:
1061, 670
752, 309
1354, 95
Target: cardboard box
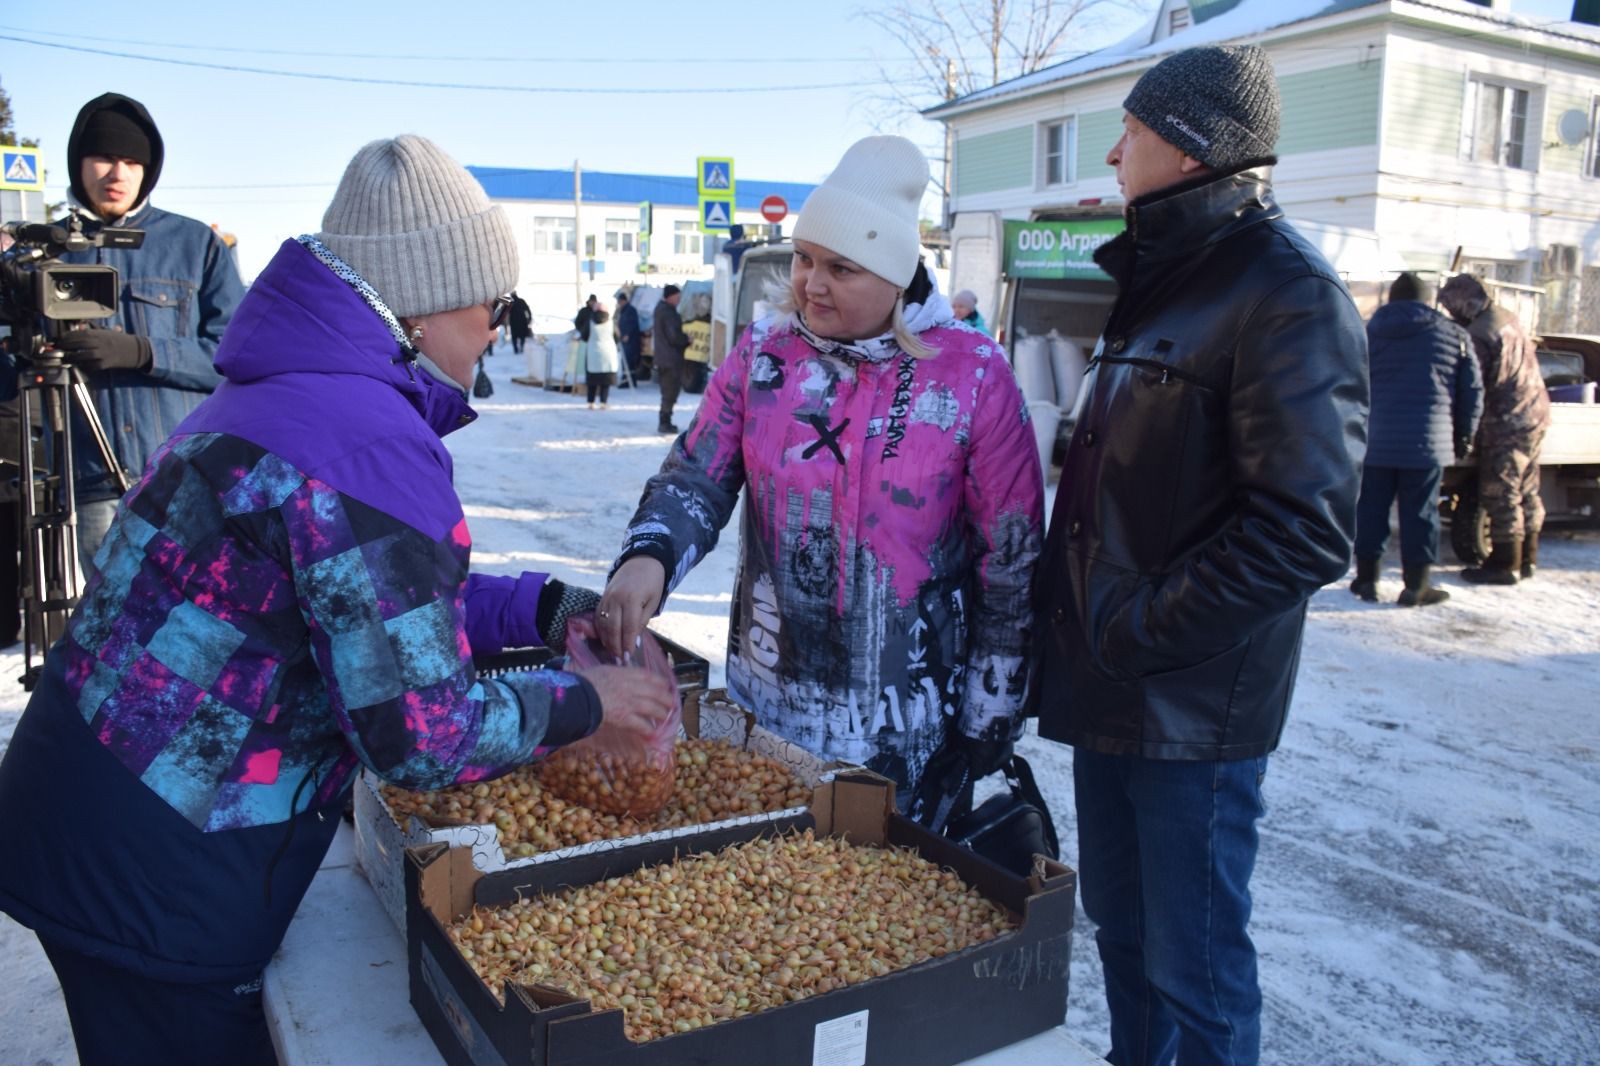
942, 1011
382, 837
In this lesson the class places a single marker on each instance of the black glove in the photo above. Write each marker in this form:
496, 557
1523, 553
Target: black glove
947, 780
559, 601
1463, 447
104, 349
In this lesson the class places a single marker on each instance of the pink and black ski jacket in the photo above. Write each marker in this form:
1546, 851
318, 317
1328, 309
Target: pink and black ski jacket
892, 518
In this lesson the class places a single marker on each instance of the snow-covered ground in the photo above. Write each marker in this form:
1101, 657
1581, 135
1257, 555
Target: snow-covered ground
1428, 889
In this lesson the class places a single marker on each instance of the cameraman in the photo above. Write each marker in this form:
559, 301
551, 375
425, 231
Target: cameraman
149, 366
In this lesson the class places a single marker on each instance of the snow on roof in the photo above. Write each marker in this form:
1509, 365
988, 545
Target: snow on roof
1250, 18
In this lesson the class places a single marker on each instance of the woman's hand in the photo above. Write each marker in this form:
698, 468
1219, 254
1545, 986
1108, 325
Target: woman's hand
631, 699
629, 602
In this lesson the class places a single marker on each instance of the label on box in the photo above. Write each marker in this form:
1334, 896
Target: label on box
841, 1042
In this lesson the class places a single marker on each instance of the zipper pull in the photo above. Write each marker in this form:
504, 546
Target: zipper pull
1165, 375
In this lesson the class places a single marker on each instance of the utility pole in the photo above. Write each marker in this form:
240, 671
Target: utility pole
577, 231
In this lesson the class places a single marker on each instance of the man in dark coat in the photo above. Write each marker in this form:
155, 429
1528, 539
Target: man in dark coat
1516, 414
585, 315
520, 323
669, 343
630, 336
1208, 491
1427, 395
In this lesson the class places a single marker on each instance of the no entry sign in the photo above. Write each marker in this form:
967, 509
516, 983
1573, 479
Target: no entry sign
774, 209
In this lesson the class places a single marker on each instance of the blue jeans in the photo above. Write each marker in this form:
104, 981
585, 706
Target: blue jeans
1418, 491
1165, 850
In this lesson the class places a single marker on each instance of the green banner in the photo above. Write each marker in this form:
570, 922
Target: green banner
1057, 249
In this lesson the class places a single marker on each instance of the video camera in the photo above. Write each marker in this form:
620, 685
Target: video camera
35, 286
40, 299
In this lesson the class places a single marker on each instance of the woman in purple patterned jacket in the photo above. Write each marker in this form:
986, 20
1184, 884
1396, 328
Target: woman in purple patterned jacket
283, 598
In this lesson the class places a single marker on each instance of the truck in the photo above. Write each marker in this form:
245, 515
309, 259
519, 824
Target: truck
1036, 276
748, 276
1569, 461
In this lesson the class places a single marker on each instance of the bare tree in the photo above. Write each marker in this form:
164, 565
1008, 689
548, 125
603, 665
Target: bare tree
956, 47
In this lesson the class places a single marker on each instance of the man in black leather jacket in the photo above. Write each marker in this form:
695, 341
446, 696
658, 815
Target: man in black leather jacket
1209, 490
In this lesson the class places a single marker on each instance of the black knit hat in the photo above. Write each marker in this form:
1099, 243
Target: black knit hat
116, 125
115, 133
670, 290
1218, 104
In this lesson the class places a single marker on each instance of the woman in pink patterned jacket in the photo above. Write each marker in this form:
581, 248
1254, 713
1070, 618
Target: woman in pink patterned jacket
893, 500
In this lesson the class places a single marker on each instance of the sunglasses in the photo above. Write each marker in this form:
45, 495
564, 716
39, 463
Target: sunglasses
499, 308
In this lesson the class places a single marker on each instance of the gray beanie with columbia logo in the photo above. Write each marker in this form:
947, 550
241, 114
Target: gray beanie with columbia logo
1218, 104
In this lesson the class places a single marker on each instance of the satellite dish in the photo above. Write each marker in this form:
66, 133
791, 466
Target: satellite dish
1573, 127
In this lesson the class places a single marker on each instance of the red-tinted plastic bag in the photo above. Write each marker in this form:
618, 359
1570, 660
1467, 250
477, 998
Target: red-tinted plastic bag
613, 771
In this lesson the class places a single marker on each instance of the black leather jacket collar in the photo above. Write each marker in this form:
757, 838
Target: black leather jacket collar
1184, 218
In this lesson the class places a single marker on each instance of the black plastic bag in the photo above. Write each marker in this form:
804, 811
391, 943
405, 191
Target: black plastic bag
482, 387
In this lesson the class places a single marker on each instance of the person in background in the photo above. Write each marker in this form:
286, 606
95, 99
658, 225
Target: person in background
283, 599
600, 358
1209, 490
668, 343
1427, 396
585, 315
965, 306
629, 336
519, 323
1516, 416
893, 502
150, 365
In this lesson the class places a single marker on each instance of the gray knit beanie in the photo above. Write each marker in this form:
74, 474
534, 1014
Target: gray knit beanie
1218, 104
420, 229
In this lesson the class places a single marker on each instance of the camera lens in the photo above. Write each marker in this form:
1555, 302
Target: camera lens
65, 289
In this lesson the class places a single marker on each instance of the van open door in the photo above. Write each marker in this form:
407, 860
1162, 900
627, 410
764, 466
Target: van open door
975, 251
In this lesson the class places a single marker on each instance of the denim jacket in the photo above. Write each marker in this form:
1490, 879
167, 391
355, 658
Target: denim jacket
179, 289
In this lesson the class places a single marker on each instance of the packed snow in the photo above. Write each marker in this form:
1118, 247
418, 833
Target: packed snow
1428, 889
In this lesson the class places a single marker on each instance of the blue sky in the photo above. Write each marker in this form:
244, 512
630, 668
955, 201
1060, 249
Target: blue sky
260, 154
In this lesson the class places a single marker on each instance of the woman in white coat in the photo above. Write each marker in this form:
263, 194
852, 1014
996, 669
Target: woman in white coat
600, 359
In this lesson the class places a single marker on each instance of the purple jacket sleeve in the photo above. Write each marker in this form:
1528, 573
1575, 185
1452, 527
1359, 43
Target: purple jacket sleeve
502, 612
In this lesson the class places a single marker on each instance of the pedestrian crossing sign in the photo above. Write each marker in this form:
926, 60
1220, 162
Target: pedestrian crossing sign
19, 168
716, 213
715, 175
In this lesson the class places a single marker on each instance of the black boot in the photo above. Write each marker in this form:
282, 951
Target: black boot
1366, 583
1530, 555
1418, 593
1501, 568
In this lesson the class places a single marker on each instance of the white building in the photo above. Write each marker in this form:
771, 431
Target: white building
580, 233
1424, 133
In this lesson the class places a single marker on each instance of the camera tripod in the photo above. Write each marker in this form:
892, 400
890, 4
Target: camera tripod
50, 390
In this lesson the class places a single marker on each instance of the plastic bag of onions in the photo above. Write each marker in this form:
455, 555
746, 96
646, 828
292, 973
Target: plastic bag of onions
613, 771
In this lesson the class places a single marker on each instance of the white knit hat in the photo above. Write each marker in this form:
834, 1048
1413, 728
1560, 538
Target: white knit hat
420, 229
867, 208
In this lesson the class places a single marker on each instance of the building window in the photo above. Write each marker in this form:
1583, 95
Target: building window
1177, 19
622, 234
1056, 144
1496, 124
685, 238
554, 234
